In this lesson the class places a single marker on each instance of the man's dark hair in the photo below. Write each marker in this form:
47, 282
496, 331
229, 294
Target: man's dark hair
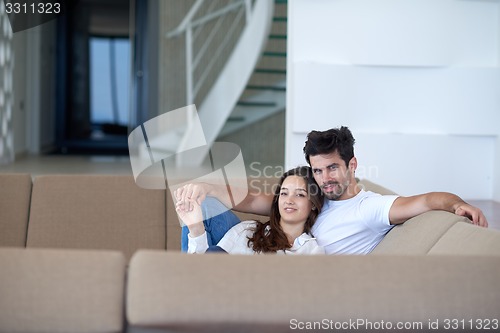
330, 141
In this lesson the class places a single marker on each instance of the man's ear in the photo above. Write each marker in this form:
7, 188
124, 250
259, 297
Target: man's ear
353, 164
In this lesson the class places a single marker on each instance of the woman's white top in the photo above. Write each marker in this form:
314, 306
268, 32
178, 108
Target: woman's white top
235, 241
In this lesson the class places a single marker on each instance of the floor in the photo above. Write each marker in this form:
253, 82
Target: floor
69, 164
120, 165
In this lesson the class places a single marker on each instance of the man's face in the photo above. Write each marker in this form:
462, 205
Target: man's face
333, 176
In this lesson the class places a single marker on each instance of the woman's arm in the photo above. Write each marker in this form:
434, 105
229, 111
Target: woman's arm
197, 237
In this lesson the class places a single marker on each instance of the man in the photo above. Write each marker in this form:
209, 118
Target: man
352, 221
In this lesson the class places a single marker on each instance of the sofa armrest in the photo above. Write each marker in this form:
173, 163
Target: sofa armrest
468, 239
61, 291
419, 234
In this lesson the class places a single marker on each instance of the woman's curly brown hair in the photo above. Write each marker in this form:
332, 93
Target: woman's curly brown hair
269, 236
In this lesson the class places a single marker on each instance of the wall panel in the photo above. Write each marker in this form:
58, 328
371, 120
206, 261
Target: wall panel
417, 81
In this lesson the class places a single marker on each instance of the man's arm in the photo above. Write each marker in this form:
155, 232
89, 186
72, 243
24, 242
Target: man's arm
254, 202
405, 208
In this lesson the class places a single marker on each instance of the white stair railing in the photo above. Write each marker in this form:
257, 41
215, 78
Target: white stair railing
222, 97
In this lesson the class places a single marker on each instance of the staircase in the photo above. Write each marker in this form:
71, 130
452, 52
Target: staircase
249, 87
265, 93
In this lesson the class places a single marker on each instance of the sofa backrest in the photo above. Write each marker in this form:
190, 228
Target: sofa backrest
15, 193
371, 186
269, 293
173, 227
96, 212
45, 290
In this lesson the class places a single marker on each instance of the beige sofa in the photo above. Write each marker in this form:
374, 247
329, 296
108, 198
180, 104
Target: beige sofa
88, 253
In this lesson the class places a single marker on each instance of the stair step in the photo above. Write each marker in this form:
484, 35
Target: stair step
274, 54
275, 36
279, 19
270, 71
252, 87
250, 103
236, 119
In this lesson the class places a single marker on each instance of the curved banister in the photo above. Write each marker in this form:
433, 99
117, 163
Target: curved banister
183, 26
187, 25
153, 143
228, 87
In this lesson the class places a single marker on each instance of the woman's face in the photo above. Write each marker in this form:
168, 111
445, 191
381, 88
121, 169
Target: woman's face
294, 204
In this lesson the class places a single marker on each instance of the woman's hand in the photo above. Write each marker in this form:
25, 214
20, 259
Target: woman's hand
193, 219
189, 194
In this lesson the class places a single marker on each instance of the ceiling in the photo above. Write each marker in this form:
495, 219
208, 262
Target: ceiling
108, 17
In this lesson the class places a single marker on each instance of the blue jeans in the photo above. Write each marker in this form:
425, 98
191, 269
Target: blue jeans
221, 220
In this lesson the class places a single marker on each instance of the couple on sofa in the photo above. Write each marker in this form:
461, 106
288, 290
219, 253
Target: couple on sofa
316, 209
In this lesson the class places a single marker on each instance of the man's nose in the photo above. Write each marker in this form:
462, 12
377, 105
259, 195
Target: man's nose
326, 176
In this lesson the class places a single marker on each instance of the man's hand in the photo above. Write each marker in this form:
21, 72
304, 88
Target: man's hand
473, 213
255, 203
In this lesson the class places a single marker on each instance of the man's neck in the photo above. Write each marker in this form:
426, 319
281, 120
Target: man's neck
350, 192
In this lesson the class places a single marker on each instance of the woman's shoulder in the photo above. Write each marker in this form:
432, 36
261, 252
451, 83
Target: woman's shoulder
244, 225
306, 244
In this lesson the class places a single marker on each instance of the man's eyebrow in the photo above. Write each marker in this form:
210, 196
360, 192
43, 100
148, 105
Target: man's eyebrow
328, 166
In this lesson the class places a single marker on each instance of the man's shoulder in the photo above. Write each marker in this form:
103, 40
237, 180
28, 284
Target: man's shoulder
363, 195
367, 194
370, 194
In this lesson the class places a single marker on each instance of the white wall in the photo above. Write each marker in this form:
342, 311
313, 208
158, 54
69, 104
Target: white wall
34, 89
417, 82
19, 119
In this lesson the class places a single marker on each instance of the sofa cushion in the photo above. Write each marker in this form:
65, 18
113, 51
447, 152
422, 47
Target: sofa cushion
265, 293
67, 291
419, 234
468, 239
96, 212
15, 194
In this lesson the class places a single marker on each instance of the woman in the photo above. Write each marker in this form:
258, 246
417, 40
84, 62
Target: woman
296, 204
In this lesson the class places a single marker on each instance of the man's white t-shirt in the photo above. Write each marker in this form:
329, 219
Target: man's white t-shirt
353, 226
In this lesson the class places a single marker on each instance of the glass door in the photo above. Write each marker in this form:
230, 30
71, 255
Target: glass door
94, 70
